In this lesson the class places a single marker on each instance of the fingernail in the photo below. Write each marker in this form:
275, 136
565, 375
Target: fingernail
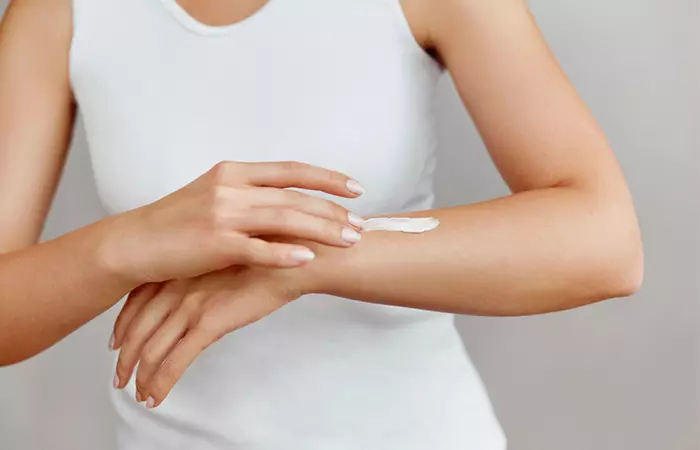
150, 403
303, 255
356, 220
138, 397
111, 342
351, 236
115, 382
356, 187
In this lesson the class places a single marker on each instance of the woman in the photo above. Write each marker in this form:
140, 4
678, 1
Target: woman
200, 114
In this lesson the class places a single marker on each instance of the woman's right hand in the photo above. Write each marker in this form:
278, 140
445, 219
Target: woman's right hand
218, 220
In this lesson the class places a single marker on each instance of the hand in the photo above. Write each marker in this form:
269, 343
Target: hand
165, 326
218, 220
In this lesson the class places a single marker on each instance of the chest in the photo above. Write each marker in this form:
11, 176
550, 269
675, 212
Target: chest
161, 106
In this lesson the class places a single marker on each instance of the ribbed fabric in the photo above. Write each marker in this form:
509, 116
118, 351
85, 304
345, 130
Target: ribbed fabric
337, 83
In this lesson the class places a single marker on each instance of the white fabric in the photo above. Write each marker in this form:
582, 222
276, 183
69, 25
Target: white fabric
337, 83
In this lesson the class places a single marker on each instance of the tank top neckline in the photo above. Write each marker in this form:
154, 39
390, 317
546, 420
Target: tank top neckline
194, 25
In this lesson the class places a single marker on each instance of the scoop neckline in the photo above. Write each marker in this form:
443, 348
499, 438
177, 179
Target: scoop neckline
194, 25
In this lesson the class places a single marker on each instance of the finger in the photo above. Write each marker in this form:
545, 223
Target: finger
137, 298
158, 347
289, 174
315, 206
258, 252
292, 223
175, 364
149, 318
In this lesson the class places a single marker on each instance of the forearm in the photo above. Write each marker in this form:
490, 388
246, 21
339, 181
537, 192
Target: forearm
532, 252
51, 289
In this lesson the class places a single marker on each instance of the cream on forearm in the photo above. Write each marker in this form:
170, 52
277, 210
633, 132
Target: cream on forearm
402, 224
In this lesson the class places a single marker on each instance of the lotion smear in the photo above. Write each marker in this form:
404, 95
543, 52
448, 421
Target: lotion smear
402, 224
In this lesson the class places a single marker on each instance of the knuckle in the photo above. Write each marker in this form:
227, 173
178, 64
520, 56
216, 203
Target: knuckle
296, 198
342, 215
266, 217
238, 196
190, 303
217, 213
336, 178
282, 217
335, 210
219, 197
222, 172
209, 328
122, 367
191, 309
134, 335
167, 375
290, 166
149, 355
324, 174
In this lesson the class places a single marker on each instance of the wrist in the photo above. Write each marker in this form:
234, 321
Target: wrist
110, 250
296, 281
304, 279
312, 278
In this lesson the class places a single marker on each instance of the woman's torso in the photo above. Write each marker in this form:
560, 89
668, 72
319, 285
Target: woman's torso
337, 83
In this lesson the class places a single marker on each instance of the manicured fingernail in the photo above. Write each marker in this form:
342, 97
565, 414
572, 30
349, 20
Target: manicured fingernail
150, 403
356, 220
303, 255
354, 186
111, 342
138, 397
351, 236
115, 382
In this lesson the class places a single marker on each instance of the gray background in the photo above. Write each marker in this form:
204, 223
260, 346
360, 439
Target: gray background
619, 375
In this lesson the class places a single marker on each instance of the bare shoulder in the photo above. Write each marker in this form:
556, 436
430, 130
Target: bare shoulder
40, 18
35, 38
432, 20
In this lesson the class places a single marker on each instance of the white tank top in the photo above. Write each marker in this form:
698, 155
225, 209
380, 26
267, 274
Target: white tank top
337, 83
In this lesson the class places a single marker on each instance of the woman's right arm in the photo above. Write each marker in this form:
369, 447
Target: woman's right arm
48, 290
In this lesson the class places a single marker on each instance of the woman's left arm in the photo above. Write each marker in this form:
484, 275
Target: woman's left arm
568, 235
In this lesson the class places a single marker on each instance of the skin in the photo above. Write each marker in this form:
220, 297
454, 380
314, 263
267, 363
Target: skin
566, 237
220, 219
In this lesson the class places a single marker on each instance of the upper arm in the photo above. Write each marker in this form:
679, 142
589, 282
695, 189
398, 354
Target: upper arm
537, 129
36, 114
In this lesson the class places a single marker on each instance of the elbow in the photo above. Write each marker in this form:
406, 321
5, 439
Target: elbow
11, 352
631, 276
9, 359
615, 249
624, 276
6, 362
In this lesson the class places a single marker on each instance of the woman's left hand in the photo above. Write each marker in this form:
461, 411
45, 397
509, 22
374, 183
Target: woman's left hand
165, 326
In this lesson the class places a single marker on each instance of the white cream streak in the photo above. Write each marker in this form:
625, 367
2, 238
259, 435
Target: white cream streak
403, 224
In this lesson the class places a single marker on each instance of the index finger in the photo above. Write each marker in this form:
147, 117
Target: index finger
292, 174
